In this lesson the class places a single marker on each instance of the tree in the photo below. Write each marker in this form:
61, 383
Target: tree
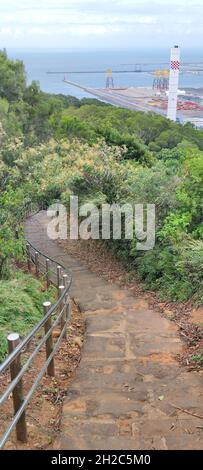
12, 78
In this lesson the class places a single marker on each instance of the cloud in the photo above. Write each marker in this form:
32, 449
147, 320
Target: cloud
55, 21
44, 17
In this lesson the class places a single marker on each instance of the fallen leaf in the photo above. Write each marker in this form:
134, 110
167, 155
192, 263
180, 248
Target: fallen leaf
161, 397
78, 341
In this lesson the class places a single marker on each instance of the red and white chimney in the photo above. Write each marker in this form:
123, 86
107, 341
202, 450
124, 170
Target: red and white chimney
173, 83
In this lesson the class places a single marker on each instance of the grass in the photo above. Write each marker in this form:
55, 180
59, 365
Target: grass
21, 300
198, 358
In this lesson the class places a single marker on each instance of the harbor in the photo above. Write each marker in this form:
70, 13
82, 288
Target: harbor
147, 99
163, 97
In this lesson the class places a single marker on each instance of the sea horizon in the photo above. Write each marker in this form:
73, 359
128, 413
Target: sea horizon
39, 61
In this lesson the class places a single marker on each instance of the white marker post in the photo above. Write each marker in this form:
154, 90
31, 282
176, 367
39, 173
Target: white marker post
173, 83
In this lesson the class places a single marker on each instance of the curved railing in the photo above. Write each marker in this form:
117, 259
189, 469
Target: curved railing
56, 314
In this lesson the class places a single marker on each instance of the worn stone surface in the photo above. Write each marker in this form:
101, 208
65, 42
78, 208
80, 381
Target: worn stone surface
129, 381
197, 316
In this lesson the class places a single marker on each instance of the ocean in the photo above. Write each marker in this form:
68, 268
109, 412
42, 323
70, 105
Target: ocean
39, 62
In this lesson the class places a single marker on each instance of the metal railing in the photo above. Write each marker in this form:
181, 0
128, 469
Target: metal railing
56, 314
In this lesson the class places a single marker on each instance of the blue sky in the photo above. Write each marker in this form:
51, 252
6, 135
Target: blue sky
106, 24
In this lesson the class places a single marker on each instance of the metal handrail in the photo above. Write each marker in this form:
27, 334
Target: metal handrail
26, 366
39, 325
61, 309
31, 392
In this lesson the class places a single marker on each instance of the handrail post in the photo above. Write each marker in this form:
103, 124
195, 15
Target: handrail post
49, 341
28, 256
47, 272
68, 307
65, 280
67, 298
37, 263
63, 318
58, 276
15, 367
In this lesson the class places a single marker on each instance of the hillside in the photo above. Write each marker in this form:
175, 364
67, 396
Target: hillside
53, 147
104, 154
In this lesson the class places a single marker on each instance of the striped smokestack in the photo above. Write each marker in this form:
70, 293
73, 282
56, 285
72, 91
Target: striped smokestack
173, 83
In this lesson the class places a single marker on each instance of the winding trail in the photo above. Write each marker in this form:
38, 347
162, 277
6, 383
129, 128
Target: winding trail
128, 378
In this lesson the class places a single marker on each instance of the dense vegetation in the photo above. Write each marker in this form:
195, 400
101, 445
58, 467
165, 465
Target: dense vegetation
21, 299
54, 146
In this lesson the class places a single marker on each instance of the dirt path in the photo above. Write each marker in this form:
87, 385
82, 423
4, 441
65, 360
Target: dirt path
128, 379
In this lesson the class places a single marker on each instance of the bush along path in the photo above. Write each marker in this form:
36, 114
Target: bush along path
129, 391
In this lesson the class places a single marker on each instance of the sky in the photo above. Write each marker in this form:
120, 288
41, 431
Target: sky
95, 24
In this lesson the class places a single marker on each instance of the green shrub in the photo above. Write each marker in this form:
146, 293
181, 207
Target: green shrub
21, 300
